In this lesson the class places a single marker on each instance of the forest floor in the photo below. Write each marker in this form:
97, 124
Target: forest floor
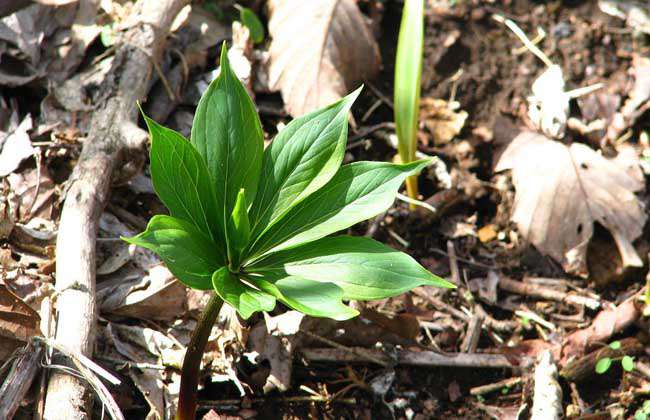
516, 296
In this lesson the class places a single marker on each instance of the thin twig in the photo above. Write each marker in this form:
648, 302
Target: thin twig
523, 38
496, 386
353, 350
415, 202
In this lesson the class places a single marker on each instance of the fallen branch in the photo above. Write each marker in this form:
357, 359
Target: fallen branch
418, 358
114, 142
547, 398
583, 368
534, 290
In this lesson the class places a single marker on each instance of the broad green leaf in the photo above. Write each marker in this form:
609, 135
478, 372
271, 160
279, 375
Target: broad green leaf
627, 362
615, 345
179, 177
228, 134
603, 365
240, 296
364, 268
357, 192
238, 229
310, 297
252, 22
302, 158
408, 71
190, 255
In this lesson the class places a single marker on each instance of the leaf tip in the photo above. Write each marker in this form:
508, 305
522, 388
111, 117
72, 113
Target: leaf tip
440, 282
351, 97
223, 60
344, 316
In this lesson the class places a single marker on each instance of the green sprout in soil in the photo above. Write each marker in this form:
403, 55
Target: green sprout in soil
603, 364
408, 71
249, 19
253, 225
644, 412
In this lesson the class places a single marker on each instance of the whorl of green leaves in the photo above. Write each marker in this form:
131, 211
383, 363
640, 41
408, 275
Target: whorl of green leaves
254, 224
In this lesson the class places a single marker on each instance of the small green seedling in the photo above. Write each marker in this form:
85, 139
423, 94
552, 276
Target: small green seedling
603, 364
253, 225
408, 72
249, 19
644, 412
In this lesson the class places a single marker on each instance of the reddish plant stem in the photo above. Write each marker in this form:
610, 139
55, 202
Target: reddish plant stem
192, 362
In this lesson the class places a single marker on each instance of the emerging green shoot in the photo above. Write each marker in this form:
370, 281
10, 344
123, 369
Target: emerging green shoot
604, 363
643, 412
249, 19
408, 71
253, 225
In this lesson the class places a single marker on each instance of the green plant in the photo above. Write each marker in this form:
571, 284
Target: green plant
253, 224
408, 71
252, 22
643, 412
604, 363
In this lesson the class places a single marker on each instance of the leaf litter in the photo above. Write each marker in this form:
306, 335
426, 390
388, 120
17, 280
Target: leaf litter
572, 216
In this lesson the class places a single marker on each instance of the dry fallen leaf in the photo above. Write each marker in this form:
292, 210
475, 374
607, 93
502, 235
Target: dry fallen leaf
321, 50
18, 322
274, 341
562, 191
444, 120
15, 147
35, 193
156, 295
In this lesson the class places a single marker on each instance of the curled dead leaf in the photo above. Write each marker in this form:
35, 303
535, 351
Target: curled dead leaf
562, 190
321, 50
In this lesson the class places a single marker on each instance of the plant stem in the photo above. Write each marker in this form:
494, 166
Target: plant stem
412, 189
192, 362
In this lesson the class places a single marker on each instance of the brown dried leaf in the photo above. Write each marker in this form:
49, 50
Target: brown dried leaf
18, 322
321, 50
17, 319
35, 193
155, 295
16, 147
444, 120
562, 191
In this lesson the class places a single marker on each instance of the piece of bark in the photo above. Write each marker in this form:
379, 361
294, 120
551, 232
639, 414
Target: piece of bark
114, 141
470, 342
547, 398
419, 358
20, 379
581, 369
